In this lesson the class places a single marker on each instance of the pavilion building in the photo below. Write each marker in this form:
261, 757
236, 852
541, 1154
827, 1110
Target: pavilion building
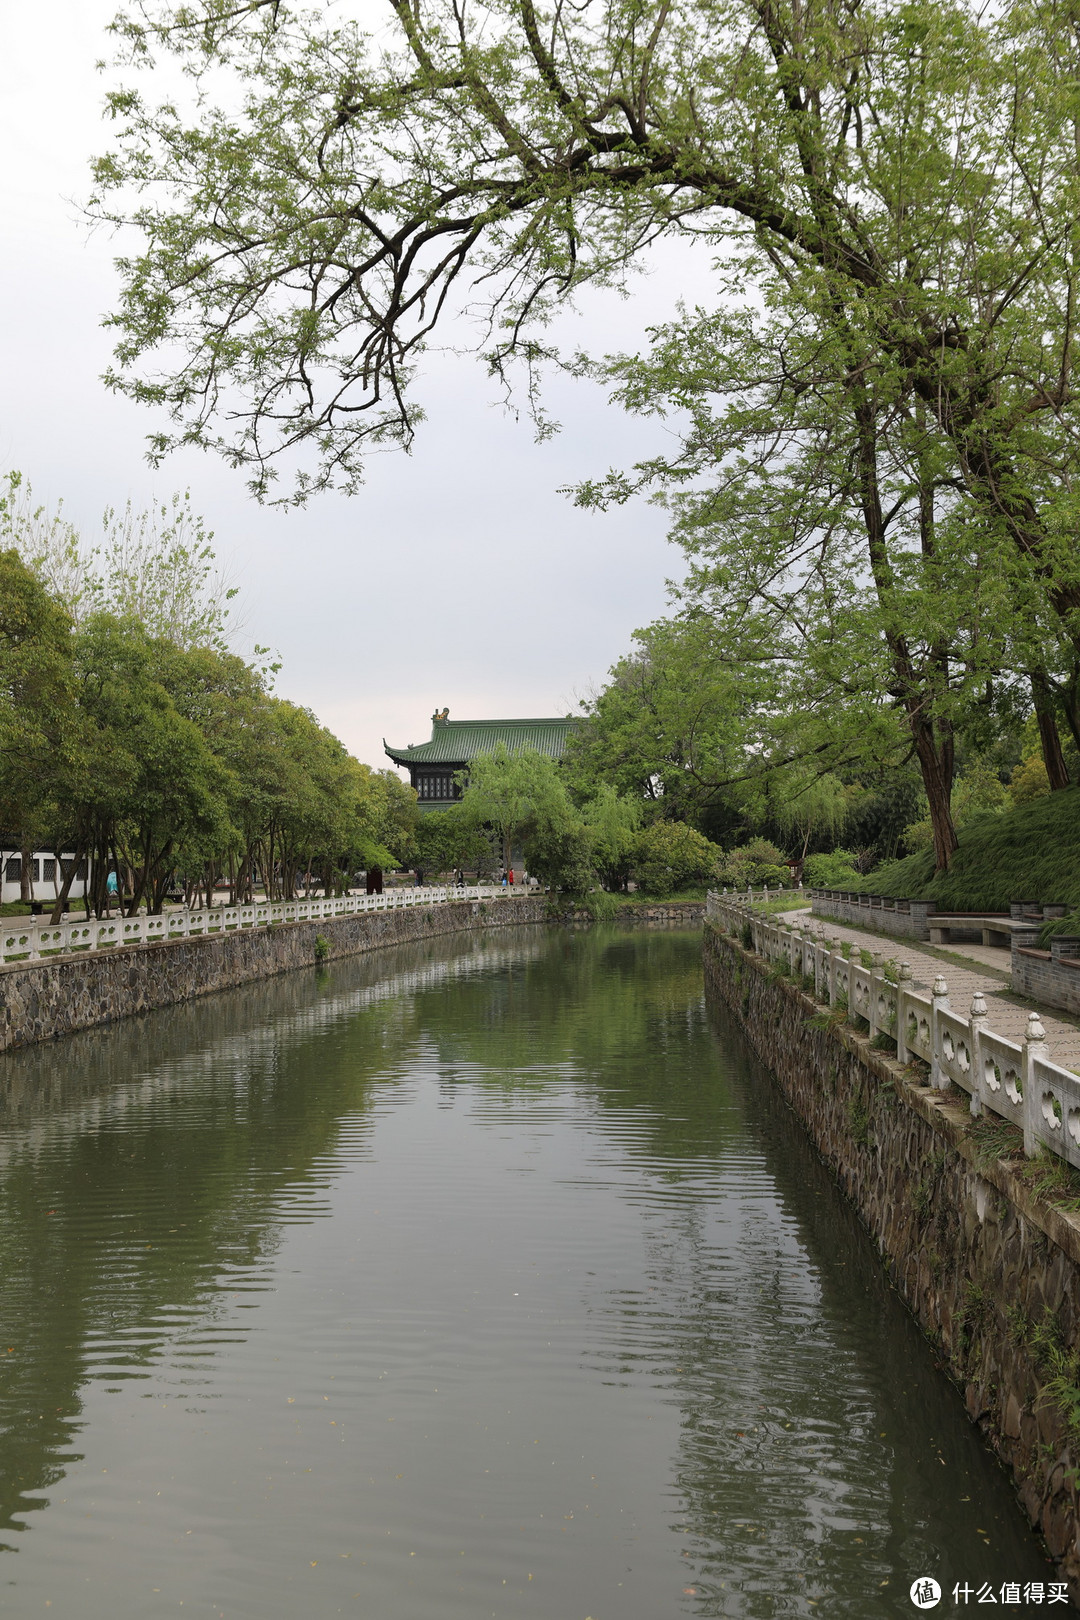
433, 766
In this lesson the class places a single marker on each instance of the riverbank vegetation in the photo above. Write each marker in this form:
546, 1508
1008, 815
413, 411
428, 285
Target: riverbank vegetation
134, 740
1029, 853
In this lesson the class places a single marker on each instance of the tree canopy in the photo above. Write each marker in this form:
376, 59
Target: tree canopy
137, 741
882, 452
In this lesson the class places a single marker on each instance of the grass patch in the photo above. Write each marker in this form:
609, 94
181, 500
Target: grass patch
786, 900
695, 894
858, 1117
1031, 852
995, 1138
1051, 1179
835, 1018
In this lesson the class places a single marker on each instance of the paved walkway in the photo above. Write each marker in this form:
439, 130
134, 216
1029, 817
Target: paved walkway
983, 970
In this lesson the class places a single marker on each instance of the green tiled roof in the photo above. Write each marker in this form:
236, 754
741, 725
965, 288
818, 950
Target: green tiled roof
455, 742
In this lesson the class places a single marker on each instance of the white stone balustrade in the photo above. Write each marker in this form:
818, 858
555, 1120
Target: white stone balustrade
24, 939
1018, 1082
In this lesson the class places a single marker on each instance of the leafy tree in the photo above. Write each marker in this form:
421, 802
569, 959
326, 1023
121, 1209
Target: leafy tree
1029, 780
151, 783
669, 854
979, 792
38, 719
448, 840
157, 566
525, 799
503, 790
751, 864
124, 743
812, 806
835, 870
612, 822
902, 188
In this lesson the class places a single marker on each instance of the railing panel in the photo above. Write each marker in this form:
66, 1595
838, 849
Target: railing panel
999, 1077
885, 1006
1056, 1109
955, 1055
918, 1028
859, 990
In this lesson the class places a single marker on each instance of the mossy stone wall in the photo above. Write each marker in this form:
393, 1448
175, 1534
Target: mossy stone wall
990, 1270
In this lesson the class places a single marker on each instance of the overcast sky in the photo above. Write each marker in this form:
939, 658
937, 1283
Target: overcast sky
458, 576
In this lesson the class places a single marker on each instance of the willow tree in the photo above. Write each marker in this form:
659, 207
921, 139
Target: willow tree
905, 173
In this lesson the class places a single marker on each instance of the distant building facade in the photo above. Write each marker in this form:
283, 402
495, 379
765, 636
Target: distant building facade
433, 766
44, 876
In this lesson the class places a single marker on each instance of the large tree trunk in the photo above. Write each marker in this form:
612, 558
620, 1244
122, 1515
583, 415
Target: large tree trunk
68, 878
1049, 736
935, 761
937, 784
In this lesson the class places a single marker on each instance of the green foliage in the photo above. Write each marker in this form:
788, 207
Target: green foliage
156, 566
978, 792
833, 871
525, 799
809, 804
752, 865
322, 948
448, 841
857, 1109
136, 740
1029, 780
1031, 852
670, 854
613, 821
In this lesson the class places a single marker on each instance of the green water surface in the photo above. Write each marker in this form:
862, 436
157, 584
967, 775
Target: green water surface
480, 1278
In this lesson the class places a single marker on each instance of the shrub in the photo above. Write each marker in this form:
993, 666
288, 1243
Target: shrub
669, 854
1029, 780
836, 870
755, 863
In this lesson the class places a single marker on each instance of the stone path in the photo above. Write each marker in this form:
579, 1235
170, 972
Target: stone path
1007, 1017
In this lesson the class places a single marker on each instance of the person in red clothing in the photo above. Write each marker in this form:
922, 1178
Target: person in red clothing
510, 877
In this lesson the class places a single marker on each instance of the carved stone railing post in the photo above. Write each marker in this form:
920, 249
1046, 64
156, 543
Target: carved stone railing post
977, 1022
821, 968
1034, 1048
877, 978
902, 988
939, 1002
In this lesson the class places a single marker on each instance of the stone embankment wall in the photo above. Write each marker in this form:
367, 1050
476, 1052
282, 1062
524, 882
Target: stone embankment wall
44, 999
990, 1270
39, 1000
677, 911
686, 912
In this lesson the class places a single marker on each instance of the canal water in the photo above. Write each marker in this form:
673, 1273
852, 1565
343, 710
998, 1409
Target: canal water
488, 1277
